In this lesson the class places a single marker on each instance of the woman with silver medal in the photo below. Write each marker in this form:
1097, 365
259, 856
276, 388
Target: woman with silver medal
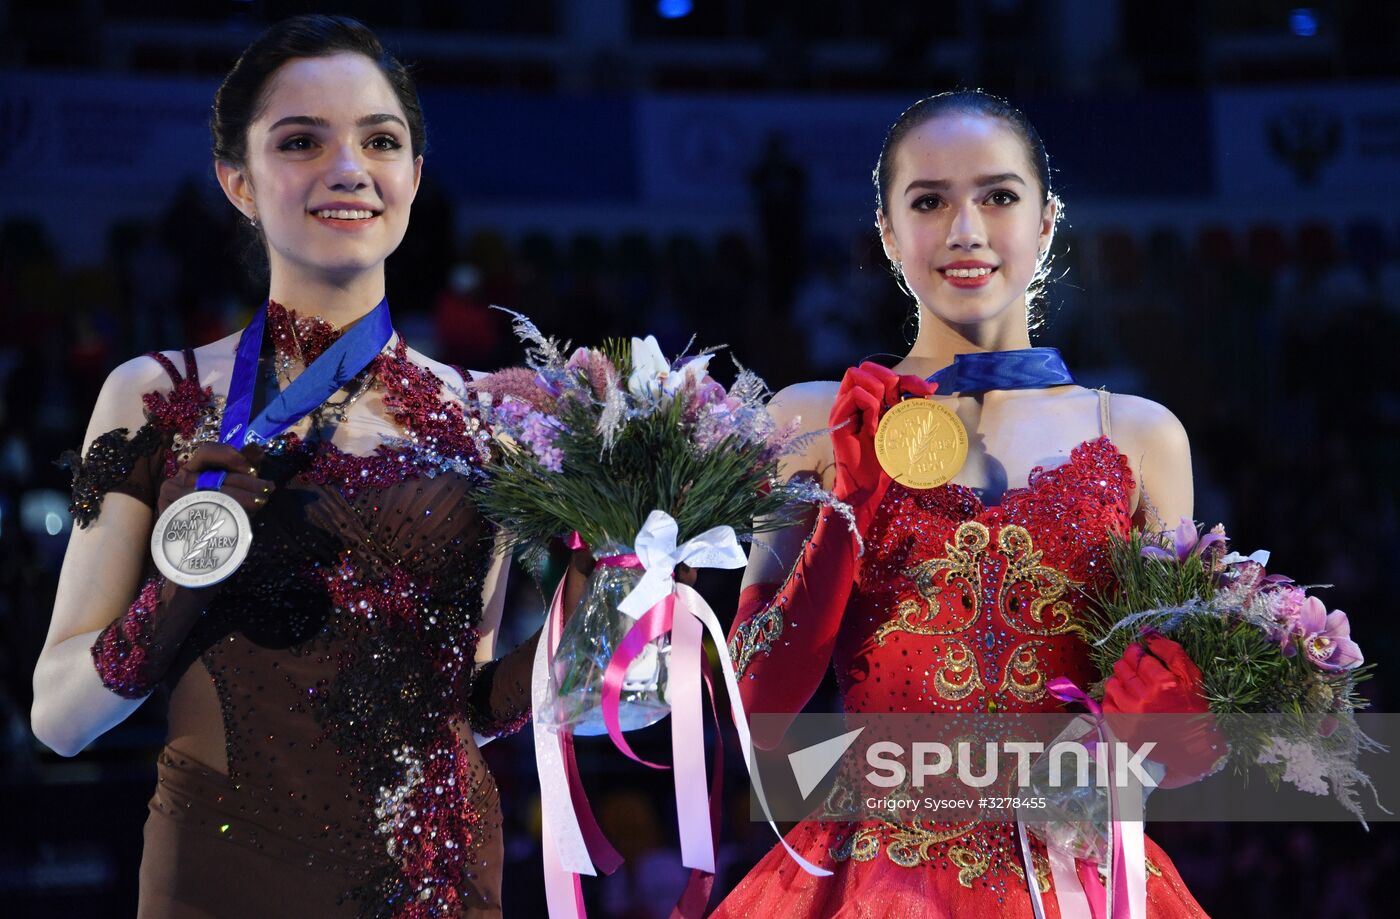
202, 537
279, 530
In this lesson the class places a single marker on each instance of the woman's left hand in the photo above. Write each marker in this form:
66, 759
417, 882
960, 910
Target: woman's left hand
1157, 677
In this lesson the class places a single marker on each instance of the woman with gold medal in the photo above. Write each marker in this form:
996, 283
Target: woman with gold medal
325, 695
974, 456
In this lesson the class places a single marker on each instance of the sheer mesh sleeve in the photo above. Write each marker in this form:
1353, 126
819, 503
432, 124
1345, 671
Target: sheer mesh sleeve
500, 695
134, 653
132, 465
783, 635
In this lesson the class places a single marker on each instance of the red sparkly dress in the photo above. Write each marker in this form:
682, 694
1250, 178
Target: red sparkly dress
962, 607
320, 757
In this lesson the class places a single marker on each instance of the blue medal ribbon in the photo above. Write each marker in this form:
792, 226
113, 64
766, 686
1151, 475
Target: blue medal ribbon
326, 375
1026, 368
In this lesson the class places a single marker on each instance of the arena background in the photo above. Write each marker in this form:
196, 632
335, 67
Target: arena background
1231, 249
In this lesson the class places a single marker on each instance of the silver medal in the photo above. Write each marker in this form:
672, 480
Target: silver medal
201, 538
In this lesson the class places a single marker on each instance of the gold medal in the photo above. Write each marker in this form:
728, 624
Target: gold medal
921, 443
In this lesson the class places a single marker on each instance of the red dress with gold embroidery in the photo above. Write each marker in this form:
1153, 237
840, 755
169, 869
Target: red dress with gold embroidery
321, 759
961, 608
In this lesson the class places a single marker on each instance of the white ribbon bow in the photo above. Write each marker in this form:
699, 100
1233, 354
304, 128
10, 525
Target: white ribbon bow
565, 851
656, 549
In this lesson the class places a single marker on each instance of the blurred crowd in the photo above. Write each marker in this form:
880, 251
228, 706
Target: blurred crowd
1274, 344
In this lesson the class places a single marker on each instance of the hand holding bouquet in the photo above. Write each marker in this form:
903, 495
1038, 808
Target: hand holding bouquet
651, 464
1193, 628
593, 443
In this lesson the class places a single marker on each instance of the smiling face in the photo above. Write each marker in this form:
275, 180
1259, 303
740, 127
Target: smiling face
330, 174
964, 217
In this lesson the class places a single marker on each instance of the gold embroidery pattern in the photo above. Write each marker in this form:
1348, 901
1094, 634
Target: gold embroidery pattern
957, 676
1047, 586
755, 637
1025, 678
909, 845
1031, 597
1042, 871
962, 562
971, 864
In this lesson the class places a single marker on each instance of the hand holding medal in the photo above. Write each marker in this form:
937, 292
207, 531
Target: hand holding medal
205, 509
203, 535
866, 392
922, 444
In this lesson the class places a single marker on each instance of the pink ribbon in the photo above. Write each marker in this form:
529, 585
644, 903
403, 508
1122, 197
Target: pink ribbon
687, 617
654, 623
697, 812
1084, 896
571, 820
696, 895
687, 715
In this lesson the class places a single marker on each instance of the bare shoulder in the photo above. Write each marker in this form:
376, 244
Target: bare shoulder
214, 360
810, 403
1147, 425
809, 406
119, 404
1157, 448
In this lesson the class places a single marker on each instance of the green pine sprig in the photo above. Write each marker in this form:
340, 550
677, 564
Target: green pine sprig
606, 493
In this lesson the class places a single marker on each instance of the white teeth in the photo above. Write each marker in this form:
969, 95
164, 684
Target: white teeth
345, 215
967, 272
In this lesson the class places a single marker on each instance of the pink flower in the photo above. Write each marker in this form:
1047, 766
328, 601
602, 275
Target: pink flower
520, 383
1188, 542
511, 411
578, 360
704, 398
1240, 581
1326, 637
709, 392
1285, 605
595, 368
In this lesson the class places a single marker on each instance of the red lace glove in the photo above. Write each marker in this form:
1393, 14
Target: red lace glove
866, 393
133, 654
1162, 679
783, 635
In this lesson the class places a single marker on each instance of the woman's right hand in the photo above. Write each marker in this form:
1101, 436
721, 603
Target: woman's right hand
242, 483
865, 394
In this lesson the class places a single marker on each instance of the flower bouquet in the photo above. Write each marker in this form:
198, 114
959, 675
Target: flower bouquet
1233, 640
649, 463
595, 442
1190, 639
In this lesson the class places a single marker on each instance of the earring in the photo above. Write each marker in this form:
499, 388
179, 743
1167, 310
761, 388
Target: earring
253, 221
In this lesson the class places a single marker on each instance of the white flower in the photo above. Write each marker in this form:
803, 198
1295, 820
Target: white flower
1234, 558
649, 368
652, 375
693, 371
1302, 765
